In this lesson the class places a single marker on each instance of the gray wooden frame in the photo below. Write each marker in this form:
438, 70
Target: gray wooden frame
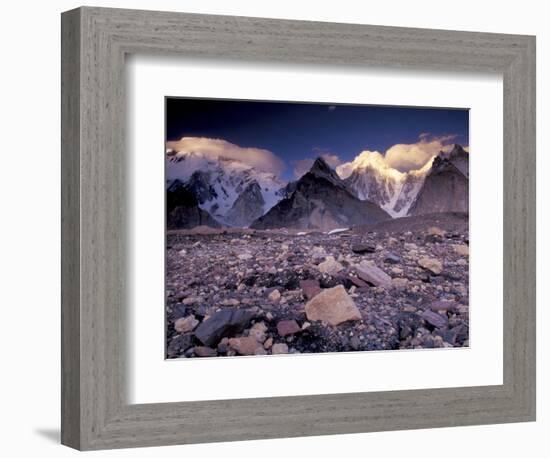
95, 41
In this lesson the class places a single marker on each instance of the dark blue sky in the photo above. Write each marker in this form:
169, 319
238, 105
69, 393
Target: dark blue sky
295, 131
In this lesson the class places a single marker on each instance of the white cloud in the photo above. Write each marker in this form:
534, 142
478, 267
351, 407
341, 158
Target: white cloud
413, 156
213, 148
302, 166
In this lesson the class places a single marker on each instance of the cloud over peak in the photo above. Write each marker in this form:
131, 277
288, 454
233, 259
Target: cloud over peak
413, 156
214, 148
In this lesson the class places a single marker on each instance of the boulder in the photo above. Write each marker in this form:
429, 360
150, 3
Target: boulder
187, 324
221, 324
391, 258
399, 282
258, 331
436, 306
330, 266
358, 282
462, 250
361, 248
434, 230
274, 296
245, 346
230, 302
435, 319
268, 343
332, 306
373, 275
310, 288
287, 327
431, 264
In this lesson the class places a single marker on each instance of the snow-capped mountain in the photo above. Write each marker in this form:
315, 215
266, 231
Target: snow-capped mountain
235, 193
370, 178
220, 183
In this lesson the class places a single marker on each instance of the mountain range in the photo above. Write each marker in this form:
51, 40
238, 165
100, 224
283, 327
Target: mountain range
320, 200
226, 192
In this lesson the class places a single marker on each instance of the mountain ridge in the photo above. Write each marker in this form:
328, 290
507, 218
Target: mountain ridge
236, 194
320, 201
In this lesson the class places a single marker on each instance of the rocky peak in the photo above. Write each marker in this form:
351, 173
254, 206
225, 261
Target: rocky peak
457, 151
322, 170
460, 158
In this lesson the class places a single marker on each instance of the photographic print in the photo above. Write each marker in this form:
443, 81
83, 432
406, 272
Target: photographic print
314, 227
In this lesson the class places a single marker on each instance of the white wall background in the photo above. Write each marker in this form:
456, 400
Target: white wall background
29, 229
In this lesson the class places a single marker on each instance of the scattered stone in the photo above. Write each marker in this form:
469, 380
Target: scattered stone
274, 296
362, 248
391, 258
330, 266
268, 343
399, 282
373, 275
310, 288
462, 250
258, 331
245, 256
287, 327
358, 282
178, 345
245, 346
279, 349
431, 264
204, 352
230, 302
271, 270
210, 278
192, 300
437, 306
332, 306
396, 271
435, 319
187, 324
221, 324
318, 252
436, 231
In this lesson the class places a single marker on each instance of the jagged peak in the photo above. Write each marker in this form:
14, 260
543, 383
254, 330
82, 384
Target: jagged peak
321, 169
320, 165
456, 150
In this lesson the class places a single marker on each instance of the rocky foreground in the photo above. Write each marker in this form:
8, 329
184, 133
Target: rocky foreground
401, 284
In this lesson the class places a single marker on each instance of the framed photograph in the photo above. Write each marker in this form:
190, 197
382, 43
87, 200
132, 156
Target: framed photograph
267, 223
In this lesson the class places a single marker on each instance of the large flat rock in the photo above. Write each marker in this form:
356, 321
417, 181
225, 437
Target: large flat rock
332, 306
